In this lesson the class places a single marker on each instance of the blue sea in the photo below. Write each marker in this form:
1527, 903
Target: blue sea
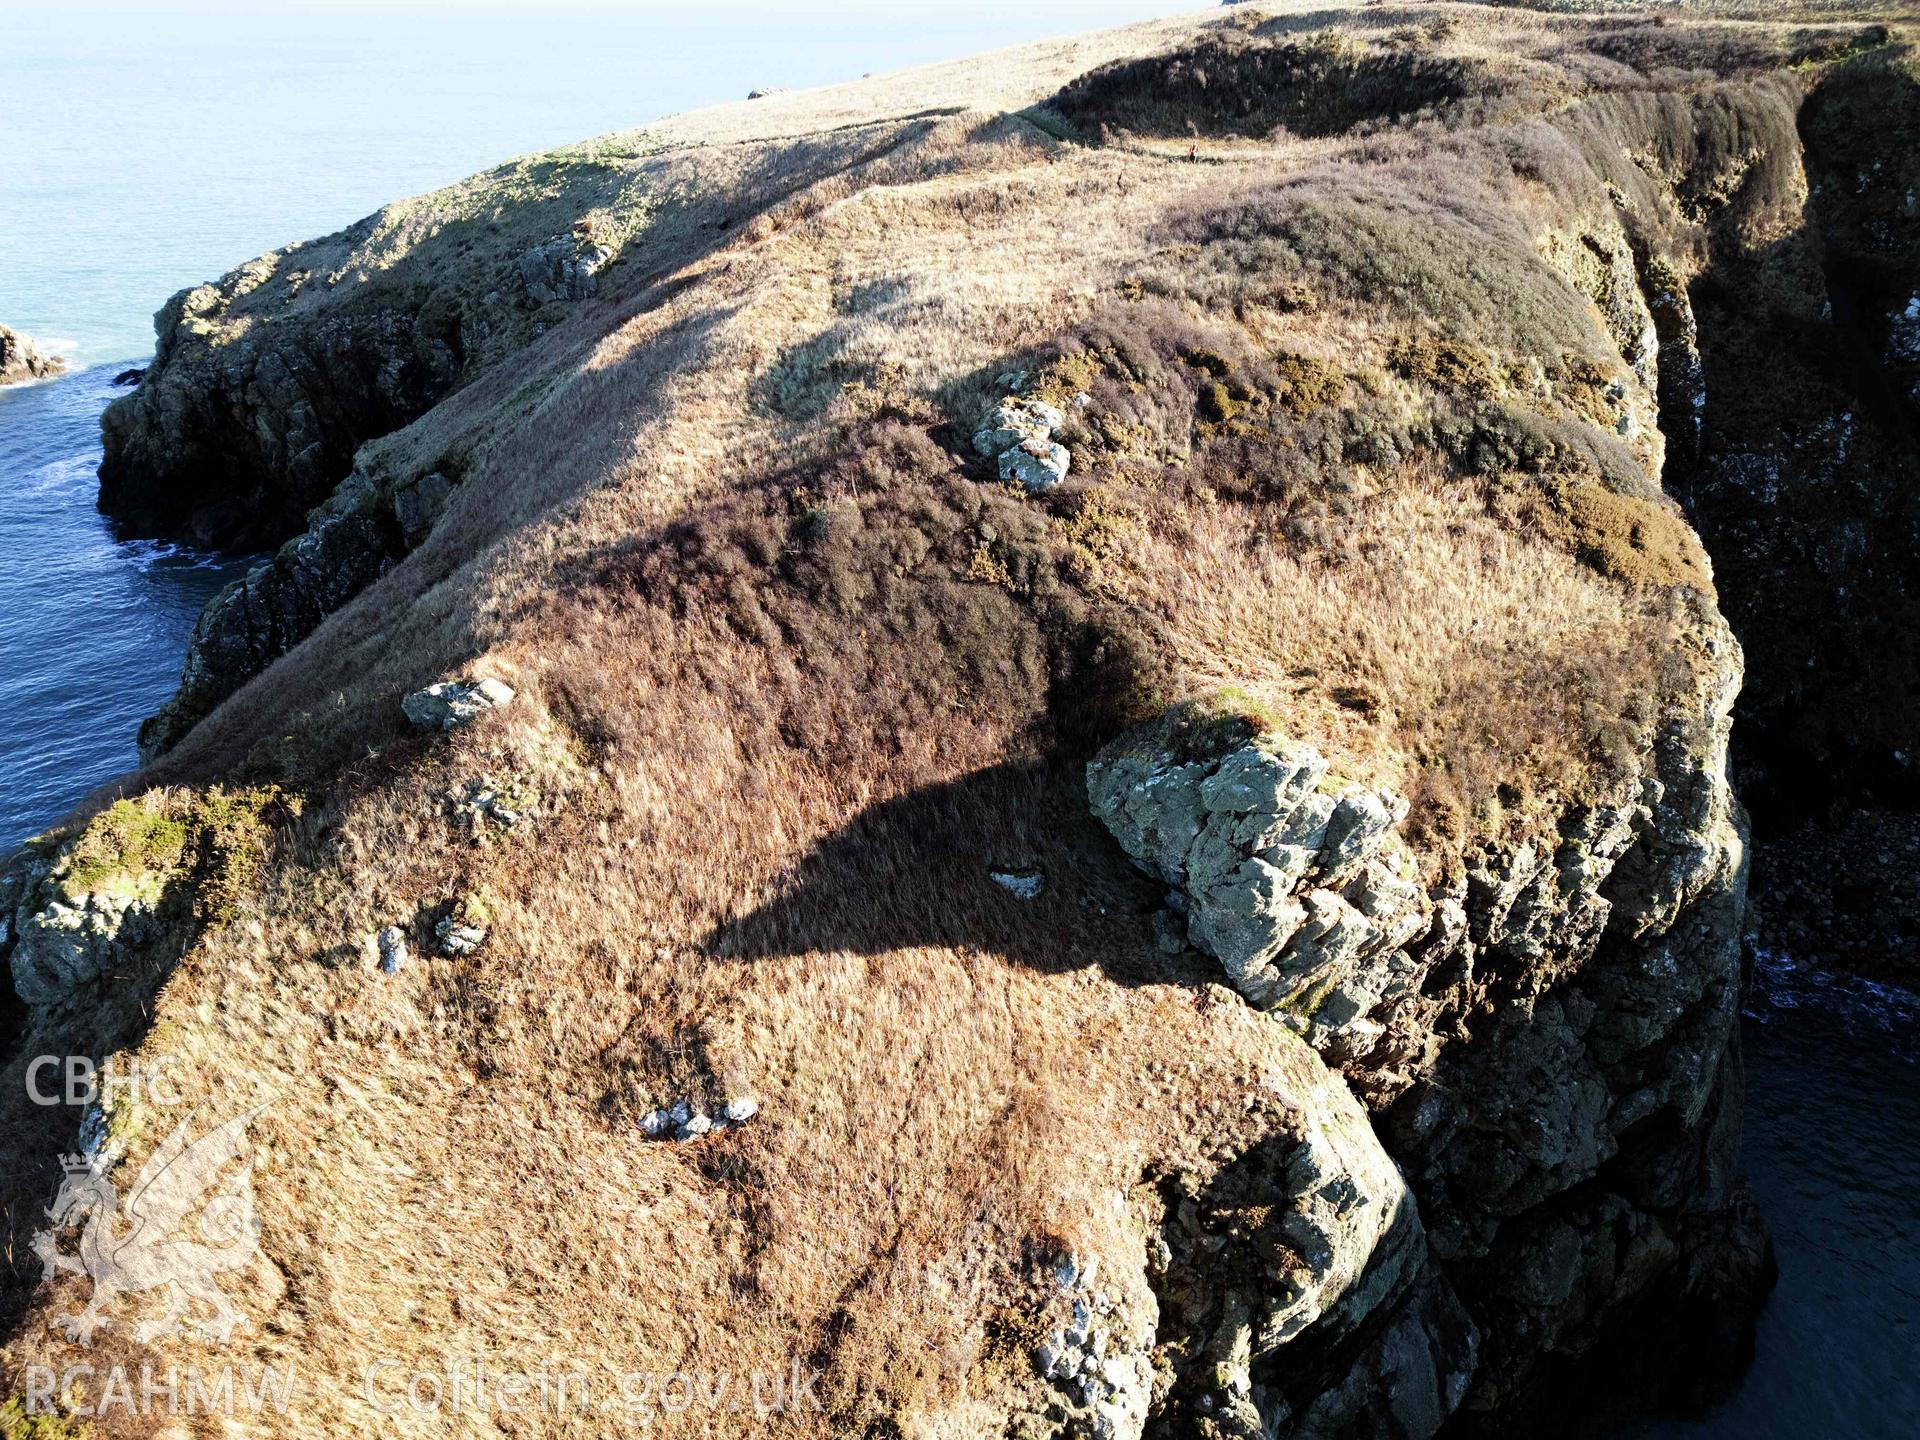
144, 148
1831, 1147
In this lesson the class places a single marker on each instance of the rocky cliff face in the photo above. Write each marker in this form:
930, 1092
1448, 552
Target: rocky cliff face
1801, 472
1551, 1046
1802, 477
366, 524
230, 445
21, 360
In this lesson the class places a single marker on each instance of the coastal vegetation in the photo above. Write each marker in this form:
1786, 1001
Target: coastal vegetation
1346, 699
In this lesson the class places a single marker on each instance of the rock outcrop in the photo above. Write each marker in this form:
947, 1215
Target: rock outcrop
1018, 435
65, 932
564, 268
21, 360
106, 907
453, 703
1214, 847
1293, 882
368, 524
265, 383
229, 445
1599, 973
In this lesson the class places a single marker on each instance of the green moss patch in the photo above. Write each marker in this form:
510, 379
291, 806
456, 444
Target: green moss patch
215, 840
17, 1424
131, 838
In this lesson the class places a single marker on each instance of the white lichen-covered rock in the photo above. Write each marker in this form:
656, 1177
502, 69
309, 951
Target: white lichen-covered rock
1018, 433
564, 268
1014, 421
1021, 884
683, 1120
454, 702
67, 933
1038, 465
456, 939
1293, 882
391, 944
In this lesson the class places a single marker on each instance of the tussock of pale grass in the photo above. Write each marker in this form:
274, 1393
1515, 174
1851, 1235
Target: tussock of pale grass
1438, 651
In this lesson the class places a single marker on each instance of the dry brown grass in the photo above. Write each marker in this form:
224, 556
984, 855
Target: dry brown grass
793, 675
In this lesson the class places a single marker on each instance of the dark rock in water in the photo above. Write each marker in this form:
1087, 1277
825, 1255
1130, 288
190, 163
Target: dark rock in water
230, 446
130, 377
21, 360
1843, 892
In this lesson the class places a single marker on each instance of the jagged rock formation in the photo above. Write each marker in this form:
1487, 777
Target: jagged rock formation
63, 936
1237, 929
1017, 434
351, 539
231, 446
21, 360
1609, 967
1280, 874
112, 905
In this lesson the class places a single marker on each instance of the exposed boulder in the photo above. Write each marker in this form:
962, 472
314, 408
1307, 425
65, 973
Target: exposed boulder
454, 703
21, 360
463, 929
1021, 884
1013, 421
1038, 465
1018, 433
391, 945
563, 268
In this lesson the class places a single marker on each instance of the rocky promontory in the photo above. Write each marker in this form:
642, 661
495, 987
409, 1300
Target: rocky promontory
21, 360
1105, 632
